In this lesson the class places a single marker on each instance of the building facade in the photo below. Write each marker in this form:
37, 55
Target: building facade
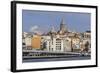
36, 42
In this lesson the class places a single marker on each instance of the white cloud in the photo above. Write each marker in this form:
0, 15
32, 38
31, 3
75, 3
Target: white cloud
35, 29
32, 29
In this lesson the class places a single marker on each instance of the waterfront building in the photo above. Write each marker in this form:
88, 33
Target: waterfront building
26, 40
36, 42
85, 40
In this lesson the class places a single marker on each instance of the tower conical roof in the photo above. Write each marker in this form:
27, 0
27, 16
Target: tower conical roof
62, 22
63, 28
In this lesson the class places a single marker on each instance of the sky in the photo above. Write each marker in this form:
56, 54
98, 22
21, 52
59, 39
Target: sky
43, 21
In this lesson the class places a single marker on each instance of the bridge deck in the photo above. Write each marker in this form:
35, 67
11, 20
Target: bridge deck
52, 52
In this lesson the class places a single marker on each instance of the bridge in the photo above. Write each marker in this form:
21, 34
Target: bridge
37, 54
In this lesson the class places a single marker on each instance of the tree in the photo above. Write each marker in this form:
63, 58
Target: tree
43, 45
86, 46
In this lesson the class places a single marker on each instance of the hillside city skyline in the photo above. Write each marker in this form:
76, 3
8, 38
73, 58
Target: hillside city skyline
55, 35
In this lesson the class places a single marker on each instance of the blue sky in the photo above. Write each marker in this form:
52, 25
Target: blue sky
42, 21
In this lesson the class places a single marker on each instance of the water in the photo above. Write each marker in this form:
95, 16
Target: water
57, 59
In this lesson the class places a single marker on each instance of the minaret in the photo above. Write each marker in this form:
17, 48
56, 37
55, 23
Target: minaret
52, 32
52, 29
